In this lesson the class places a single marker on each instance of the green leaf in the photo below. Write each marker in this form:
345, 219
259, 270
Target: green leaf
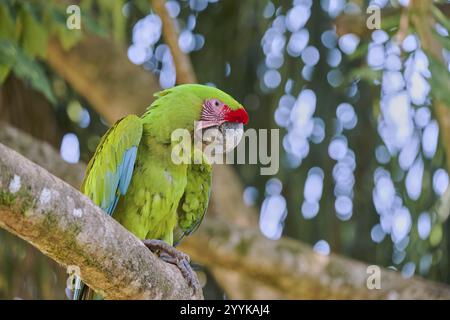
119, 21
7, 58
55, 21
111, 14
444, 41
440, 80
4, 71
34, 34
7, 24
68, 38
7, 52
92, 26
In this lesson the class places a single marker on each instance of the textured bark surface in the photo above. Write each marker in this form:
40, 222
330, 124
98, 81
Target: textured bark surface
65, 225
296, 270
242, 258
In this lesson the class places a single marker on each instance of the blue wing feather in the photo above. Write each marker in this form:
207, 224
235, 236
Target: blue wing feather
110, 170
120, 180
127, 170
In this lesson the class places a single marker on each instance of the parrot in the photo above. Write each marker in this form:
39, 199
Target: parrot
133, 178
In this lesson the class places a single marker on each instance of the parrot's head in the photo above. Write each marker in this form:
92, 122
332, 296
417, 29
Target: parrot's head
222, 119
203, 110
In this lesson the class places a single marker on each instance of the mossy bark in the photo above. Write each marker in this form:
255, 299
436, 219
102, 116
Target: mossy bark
65, 225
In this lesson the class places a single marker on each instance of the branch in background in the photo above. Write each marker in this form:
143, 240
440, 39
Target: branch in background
65, 225
296, 270
403, 26
184, 70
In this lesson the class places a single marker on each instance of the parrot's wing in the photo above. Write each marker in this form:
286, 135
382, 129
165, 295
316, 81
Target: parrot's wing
109, 172
194, 203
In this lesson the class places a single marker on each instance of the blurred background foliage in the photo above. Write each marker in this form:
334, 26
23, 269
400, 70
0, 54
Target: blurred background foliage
361, 169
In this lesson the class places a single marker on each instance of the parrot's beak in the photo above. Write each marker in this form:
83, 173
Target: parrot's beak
222, 138
232, 133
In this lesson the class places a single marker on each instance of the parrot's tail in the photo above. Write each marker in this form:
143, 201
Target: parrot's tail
77, 290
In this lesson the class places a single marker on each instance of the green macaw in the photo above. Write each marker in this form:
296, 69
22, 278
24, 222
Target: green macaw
133, 178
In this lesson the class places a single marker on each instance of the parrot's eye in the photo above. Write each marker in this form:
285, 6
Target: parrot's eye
216, 103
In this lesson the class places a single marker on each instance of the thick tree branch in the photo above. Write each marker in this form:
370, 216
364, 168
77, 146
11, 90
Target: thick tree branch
298, 271
66, 226
244, 259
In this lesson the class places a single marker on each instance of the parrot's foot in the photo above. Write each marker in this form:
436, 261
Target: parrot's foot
169, 254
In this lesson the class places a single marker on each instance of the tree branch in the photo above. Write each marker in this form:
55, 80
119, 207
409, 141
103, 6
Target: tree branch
243, 259
66, 226
296, 270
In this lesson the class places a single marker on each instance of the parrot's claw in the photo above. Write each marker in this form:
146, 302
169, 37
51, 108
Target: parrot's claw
169, 254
